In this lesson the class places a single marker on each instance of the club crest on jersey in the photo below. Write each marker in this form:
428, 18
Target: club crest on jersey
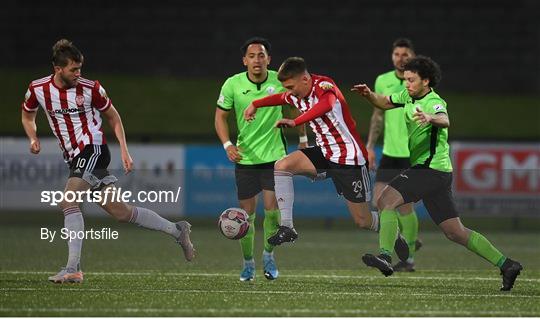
325, 85
79, 99
270, 90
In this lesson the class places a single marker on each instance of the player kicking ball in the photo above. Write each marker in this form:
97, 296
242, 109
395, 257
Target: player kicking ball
339, 154
74, 106
430, 176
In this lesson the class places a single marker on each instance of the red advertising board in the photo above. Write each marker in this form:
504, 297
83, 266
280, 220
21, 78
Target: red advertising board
511, 170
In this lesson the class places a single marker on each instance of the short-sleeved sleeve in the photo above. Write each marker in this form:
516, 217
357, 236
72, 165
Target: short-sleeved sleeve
30, 103
435, 106
100, 100
226, 96
399, 99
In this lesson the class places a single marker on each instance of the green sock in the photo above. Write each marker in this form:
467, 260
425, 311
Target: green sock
408, 225
270, 226
388, 232
247, 242
483, 248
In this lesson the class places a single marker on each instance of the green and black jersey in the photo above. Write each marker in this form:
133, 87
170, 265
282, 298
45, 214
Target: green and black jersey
428, 144
258, 141
395, 130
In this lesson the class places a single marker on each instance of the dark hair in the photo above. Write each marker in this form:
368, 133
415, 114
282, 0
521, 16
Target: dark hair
256, 40
63, 51
426, 68
403, 43
291, 67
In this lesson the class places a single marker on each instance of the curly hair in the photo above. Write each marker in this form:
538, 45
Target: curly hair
426, 68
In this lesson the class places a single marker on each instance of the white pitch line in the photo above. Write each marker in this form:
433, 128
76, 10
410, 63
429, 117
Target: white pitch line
272, 311
197, 274
268, 292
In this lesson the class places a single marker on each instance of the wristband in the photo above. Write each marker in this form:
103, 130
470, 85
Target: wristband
303, 139
227, 144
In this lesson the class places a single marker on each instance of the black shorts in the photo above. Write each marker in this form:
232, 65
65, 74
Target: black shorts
431, 186
353, 182
390, 167
91, 165
252, 179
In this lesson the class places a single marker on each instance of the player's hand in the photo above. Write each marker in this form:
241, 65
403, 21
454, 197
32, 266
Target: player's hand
362, 89
422, 118
372, 159
233, 154
249, 113
35, 147
285, 123
301, 146
127, 162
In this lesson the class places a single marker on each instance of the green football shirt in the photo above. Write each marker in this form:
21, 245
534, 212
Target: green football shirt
428, 144
395, 130
258, 141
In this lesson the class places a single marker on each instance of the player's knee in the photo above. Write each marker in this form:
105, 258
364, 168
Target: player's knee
282, 165
385, 203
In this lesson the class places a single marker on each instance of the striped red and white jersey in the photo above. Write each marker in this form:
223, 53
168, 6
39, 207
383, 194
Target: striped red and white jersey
73, 114
335, 131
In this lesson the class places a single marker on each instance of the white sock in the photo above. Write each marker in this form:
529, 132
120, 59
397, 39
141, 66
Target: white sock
285, 196
374, 221
149, 219
73, 221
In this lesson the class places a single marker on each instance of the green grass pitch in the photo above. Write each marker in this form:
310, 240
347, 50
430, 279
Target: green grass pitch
143, 274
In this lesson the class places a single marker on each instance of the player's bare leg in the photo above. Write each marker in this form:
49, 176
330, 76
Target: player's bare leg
73, 221
296, 163
151, 220
247, 243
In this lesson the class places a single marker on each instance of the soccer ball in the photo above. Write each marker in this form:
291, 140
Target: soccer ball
233, 223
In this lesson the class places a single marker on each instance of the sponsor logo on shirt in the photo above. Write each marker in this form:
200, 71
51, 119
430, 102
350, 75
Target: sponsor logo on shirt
71, 110
221, 99
438, 107
325, 85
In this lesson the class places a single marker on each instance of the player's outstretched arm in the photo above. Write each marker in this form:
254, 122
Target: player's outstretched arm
30, 128
271, 100
112, 116
380, 101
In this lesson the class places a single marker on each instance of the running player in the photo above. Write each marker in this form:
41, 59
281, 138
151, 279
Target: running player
430, 176
257, 148
74, 106
395, 153
339, 154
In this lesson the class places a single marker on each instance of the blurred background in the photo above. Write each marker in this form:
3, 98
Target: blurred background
163, 63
